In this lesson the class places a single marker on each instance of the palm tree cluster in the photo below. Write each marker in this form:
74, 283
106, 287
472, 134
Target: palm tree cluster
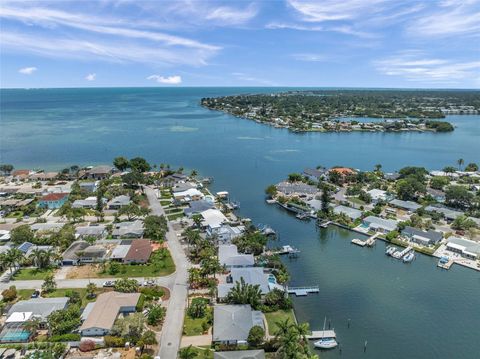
244, 293
11, 259
291, 341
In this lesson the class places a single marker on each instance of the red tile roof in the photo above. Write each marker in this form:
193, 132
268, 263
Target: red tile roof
343, 170
139, 251
54, 196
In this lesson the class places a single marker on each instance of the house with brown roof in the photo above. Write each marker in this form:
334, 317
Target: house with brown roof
139, 251
53, 200
101, 315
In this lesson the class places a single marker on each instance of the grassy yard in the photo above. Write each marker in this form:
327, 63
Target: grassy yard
203, 352
159, 268
197, 326
32, 274
172, 217
165, 202
279, 315
24, 294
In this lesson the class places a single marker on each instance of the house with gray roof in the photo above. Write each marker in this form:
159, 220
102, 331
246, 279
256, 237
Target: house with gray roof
89, 202
132, 229
296, 188
181, 187
465, 247
89, 187
352, 213
251, 275
446, 212
226, 233
419, 236
229, 257
82, 252
48, 226
405, 205
240, 354
39, 307
315, 174
378, 224
97, 231
197, 207
118, 202
99, 172
232, 323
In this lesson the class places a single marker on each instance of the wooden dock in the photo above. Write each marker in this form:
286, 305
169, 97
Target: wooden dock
320, 334
324, 224
369, 242
445, 265
303, 291
400, 255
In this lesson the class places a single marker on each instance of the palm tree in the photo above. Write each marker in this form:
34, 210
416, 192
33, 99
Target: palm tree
35, 255
460, 163
378, 167
14, 256
283, 326
244, 293
187, 353
32, 325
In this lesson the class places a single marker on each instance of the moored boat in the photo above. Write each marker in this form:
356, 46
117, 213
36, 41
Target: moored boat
390, 250
326, 343
409, 257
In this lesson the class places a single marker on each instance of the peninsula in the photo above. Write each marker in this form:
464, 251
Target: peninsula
332, 110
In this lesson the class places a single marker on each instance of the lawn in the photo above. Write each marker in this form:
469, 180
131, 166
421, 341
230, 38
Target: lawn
172, 217
32, 274
61, 292
279, 315
165, 203
25, 294
203, 352
158, 269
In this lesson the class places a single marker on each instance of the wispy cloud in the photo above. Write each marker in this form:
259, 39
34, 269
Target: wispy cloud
170, 80
416, 66
91, 77
457, 17
249, 78
27, 70
229, 15
310, 57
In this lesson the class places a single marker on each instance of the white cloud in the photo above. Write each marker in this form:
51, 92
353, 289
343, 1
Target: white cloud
344, 29
452, 18
249, 78
27, 70
415, 66
170, 80
91, 77
310, 57
231, 15
112, 51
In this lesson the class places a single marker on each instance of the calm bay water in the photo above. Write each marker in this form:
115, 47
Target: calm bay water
404, 311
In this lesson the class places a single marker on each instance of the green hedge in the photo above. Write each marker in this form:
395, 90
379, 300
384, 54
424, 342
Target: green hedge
70, 337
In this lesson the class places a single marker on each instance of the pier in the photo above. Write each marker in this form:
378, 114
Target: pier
399, 255
302, 291
369, 242
320, 334
445, 264
324, 224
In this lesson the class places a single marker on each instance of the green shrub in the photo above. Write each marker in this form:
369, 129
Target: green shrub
69, 337
141, 303
112, 342
9, 294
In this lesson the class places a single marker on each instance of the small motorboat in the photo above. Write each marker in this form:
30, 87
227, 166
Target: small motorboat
409, 257
326, 343
390, 250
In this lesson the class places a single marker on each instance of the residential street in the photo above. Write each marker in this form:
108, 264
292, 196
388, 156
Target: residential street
173, 325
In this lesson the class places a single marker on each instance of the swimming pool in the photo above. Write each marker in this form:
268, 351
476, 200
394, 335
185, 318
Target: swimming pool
14, 335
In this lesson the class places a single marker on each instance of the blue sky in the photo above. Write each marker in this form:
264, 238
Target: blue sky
357, 43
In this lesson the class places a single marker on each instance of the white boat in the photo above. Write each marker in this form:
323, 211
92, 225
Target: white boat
325, 342
390, 250
409, 257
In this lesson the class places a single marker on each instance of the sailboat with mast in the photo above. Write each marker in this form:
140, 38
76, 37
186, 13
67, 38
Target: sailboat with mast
326, 341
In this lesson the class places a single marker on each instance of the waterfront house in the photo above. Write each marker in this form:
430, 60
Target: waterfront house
296, 189
408, 206
89, 187
212, 220
344, 172
82, 252
139, 251
391, 176
352, 213
437, 194
250, 275
132, 229
53, 200
229, 257
118, 202
183, 186
98, 172
188, 195
197, 207
419, 236
381, 225
232, 323
240, 354
226, 233
98, 231
465, 247
101, 314
44, 176
315, 174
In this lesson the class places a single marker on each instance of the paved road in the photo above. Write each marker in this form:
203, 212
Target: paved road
173, 325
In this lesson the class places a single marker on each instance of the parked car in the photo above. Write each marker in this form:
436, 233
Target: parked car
35, 294
109, 283
149, 283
